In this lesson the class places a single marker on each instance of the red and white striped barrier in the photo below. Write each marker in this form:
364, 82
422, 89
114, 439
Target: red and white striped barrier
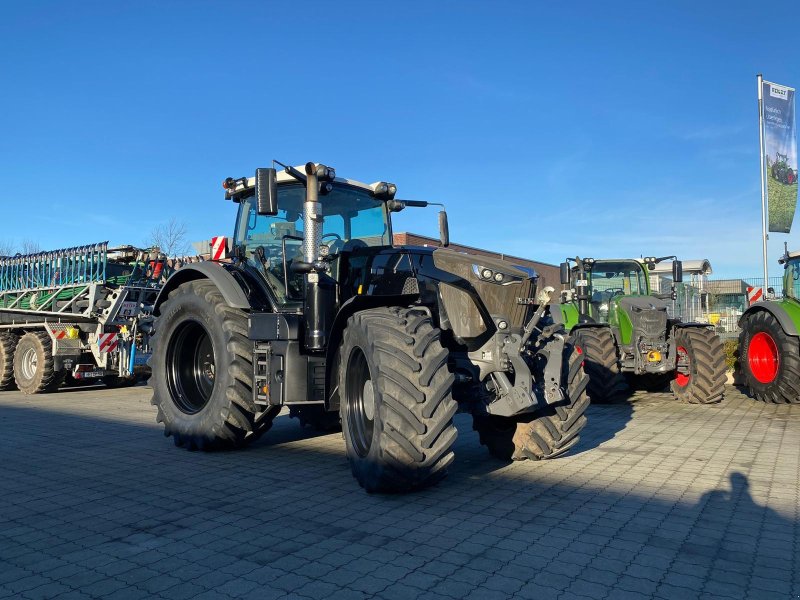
754, 294
107, 342
219, 247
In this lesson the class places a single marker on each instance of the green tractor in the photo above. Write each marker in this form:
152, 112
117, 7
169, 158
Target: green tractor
628, 338
769, 346
781, 171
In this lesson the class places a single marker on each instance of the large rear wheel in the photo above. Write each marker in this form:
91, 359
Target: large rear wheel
547, 433
601, 361
769, 359
34, 371
396, 402
701, 372
202, 371
8, 345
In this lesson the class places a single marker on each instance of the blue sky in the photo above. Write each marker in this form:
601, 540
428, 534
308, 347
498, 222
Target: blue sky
548, 129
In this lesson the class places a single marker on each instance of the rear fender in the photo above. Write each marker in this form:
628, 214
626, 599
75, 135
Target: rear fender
228, 286
777, 310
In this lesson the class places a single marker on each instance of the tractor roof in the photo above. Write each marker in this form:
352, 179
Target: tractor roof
284, 177
697, 266
790, 255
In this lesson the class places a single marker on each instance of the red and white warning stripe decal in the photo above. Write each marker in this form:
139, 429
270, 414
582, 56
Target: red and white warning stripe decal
754, 294
59, 335
107, 342
219, 247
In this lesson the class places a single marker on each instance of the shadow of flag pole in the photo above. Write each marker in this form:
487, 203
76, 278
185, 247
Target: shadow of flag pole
764, 234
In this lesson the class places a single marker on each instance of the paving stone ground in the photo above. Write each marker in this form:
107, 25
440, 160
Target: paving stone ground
660, 500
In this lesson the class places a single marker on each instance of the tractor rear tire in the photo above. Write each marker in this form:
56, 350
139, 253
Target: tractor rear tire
202, 371
601, 361
34, 371
705, 383
547, 433
769, 359
396, 400
8, 345
317, 418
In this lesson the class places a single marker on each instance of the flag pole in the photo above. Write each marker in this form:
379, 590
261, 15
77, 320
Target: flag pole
764, 234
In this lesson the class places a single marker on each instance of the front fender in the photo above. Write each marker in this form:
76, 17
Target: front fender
228, 286
787, 321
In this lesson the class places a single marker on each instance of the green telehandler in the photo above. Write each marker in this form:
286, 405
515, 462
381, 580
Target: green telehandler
769, 347
628, 338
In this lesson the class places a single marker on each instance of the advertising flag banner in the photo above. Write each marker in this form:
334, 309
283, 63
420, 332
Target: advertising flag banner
780, 149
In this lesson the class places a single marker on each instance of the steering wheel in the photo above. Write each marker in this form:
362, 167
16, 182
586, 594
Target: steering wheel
334, 245
611, 292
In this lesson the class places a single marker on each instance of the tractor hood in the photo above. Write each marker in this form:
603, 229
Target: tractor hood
506, 291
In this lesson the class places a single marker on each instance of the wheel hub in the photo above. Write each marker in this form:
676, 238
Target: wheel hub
359, 402
683, 377
191, 368
369, 400
763, 357
30, 363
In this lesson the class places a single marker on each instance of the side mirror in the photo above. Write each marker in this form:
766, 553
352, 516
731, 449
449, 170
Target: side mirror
677, 271
267, 191
564, 273
444, 229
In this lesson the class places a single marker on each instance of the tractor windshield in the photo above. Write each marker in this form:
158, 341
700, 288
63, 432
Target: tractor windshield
791, 281
352, 219
613, 278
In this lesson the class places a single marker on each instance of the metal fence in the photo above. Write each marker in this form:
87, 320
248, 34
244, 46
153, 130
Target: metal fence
719, 302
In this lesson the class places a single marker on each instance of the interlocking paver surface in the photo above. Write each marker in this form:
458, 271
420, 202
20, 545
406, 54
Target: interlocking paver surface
659, 500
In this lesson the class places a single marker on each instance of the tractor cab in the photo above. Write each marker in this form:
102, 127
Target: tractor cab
608, 281
791, 275
279, 238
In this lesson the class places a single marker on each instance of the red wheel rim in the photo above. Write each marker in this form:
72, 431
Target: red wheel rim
763, 357
680, 378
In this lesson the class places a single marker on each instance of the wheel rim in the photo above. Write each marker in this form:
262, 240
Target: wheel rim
683, 379
29, 363
191, 368
359, 402
763, 357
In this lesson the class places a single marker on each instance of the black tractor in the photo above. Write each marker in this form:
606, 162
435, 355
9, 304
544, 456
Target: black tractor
319, 312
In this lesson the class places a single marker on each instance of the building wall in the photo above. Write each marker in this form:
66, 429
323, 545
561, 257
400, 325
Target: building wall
548, 273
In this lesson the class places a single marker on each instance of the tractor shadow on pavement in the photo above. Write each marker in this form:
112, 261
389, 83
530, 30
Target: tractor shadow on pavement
288, 504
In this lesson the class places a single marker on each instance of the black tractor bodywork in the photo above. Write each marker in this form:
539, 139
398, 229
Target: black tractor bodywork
319, 312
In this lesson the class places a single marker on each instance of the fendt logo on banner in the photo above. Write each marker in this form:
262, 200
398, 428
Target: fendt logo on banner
780, 155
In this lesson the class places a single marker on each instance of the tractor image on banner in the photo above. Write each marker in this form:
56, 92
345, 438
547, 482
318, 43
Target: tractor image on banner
769, 344
627, 337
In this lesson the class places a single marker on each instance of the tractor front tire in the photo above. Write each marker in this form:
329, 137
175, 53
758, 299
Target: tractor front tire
396, 400
705, 381
202, 371
769, 359
8, 345
601, 361
547, 433
34, 371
